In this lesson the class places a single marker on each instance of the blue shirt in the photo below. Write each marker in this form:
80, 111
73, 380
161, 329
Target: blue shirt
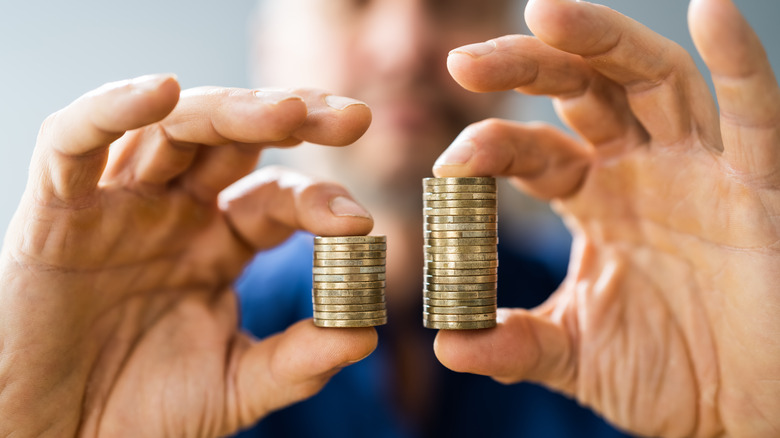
275, 291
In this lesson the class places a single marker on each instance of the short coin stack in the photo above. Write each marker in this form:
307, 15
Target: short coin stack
349, 281
461, 258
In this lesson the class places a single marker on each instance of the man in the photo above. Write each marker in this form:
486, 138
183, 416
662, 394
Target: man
392, 54
116, 314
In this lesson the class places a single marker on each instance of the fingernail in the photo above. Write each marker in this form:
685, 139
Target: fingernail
476, 50
151, 82
273, 97
458, 154
343, 206
341, 102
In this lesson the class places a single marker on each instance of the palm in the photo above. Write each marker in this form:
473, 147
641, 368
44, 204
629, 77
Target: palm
667, 321
659, 265
168, 327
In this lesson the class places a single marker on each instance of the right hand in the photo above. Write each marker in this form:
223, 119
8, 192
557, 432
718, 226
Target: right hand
117, 315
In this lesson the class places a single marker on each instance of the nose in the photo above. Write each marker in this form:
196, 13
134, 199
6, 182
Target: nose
399, 38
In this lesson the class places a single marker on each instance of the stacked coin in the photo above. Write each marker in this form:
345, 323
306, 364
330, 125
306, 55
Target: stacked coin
461, 258
349, 281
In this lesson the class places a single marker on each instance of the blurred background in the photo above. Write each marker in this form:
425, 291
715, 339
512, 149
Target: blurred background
52, 52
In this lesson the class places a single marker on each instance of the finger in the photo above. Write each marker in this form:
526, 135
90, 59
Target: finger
295, 365
544, 161
332, 120
590, 104
161, 153
665, 90
72, 144
518, 61
216, 167
238, 122
265, 207
157, 155
748, 93
217, 116
524, 346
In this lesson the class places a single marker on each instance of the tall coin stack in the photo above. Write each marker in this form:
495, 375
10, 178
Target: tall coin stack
349, 281
461, 257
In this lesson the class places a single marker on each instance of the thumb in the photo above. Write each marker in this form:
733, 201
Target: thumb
525, 345
295, 365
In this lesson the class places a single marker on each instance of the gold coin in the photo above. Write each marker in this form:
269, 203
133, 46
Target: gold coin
318, 307
355, 262
337, 240
375, 292
459, 310
378, 299
453, 188
461, 203
457, 303
349, 285
464, 249
461, 234
474, 287
459, 272
472, 295
460, 226
321, 278
333, 270
351, 247
351, 315
462, 265
459, 180
460, 211
464, 279
460, 318
349, 323
444, 325
349, 255
472, 241
463, 257
451, 219
457, 196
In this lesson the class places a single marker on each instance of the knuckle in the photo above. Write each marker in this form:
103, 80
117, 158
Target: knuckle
49, 123
491, 126
316, 188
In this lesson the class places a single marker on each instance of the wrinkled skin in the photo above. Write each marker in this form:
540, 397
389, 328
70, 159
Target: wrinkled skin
117, 316
668, 323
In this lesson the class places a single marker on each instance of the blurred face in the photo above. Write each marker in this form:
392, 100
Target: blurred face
392, 55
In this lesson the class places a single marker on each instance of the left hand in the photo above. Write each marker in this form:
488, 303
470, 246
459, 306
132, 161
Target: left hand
668, 322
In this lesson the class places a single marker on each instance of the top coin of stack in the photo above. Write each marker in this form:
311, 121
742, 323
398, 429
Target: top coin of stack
349, 281
461, 257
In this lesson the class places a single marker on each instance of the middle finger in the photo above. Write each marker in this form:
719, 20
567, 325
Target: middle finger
665, 90
215, 135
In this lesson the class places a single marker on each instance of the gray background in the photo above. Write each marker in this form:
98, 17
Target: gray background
53, 51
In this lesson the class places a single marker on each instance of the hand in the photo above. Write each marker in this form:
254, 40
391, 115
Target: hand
117, 316
668, 322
